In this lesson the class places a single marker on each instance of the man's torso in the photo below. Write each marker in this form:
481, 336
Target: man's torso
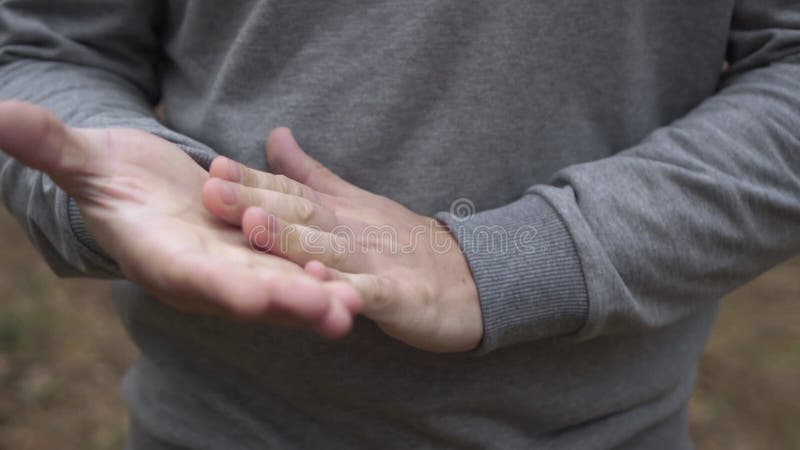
425, 102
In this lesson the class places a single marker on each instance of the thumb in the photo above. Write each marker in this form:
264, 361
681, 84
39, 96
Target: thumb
35, 137
285, 156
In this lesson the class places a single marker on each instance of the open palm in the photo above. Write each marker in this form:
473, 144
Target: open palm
140, 197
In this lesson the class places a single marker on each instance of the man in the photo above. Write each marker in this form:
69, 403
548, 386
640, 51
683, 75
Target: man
622, 185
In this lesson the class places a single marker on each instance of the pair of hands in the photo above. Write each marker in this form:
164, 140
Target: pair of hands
298, 248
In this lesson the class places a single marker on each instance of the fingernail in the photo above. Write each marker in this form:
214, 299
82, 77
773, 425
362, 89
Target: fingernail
228, 194
234, 171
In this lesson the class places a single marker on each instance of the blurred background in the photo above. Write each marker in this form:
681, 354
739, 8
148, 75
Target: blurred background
63, 354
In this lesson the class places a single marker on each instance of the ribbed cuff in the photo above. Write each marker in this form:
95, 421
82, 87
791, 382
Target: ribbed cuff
91, 249
527, 270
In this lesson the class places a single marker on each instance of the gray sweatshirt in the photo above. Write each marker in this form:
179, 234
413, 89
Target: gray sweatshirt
642, 181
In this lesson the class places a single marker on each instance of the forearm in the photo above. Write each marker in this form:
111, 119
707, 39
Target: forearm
644, 238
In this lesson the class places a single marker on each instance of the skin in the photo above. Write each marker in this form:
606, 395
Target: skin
140, 197
188, 236
413, 279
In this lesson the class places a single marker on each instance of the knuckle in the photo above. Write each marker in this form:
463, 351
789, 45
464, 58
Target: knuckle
280, 182
304, 211
289, 186
256, 178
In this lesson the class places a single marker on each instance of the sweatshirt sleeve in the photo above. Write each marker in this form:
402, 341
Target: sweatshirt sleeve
95, 64
644, 238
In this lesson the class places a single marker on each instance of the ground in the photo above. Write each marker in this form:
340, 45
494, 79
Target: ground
63, 354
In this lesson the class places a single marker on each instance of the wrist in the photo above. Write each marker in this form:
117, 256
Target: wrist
458, 293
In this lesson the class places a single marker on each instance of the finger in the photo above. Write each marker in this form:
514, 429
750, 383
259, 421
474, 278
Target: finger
318, 270
298, 243
338, 291
230, 170
336, 323
286, 157
241, 292
228, 201
35, 137
344, 293
376, 293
